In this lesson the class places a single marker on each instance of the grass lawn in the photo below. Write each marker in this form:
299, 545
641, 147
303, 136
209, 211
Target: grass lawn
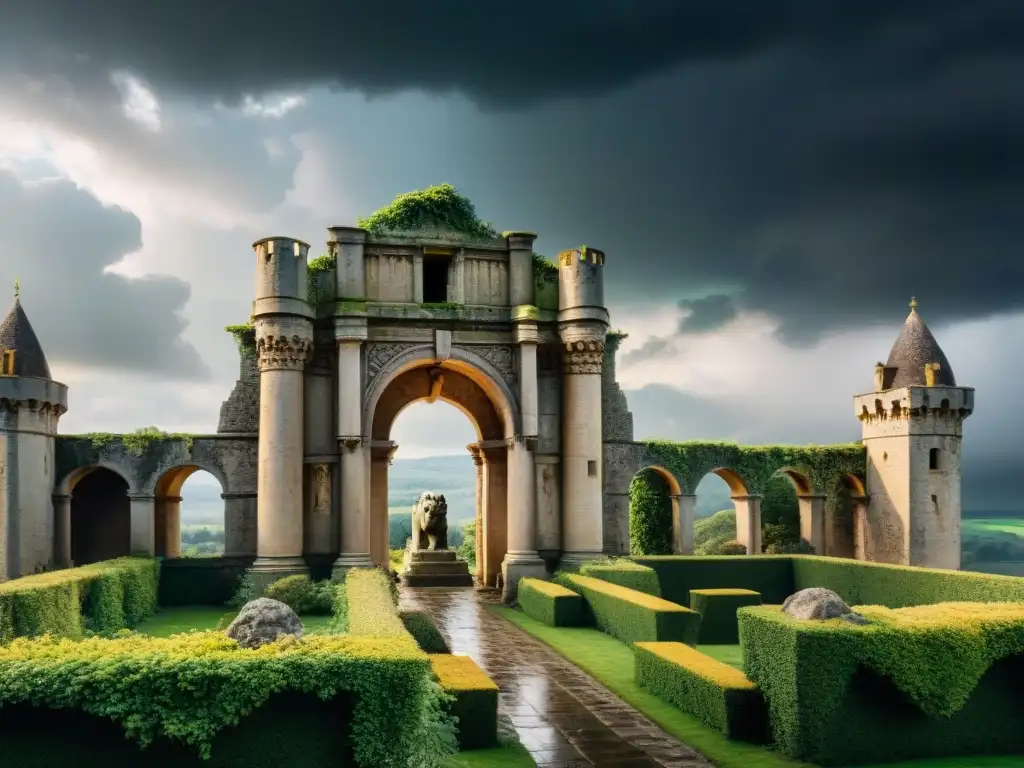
985, 525
727, 654
172, 621
511, 755
610, 662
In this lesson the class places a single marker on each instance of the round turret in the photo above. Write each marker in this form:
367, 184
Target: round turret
282, 283
581, 285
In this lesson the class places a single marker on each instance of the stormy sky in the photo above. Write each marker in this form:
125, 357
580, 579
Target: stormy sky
771, 183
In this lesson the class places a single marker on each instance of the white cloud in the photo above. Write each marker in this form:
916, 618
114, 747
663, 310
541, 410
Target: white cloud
272, 107
138, 102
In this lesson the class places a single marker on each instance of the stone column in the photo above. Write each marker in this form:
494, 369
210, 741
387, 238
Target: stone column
321, 535
862, 549
478, 461
495, 522
549, 496
284, 344
381, 454
582, 445
520, 260
748, 522
170, 532
354, 451
684, 508
143, 524
240, 524
521, 559
62, 530
812, 521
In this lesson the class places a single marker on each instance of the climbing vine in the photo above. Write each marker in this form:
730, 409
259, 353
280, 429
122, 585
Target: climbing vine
650, 515
545, 271
441, 205
317, 289
135, 443
245, 338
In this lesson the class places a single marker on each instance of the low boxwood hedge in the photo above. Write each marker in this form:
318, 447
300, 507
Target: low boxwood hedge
550, 603
371, 607
101, 597
633, 616
179, 696
474, 699
625, 573
718, 695
424, 631
927, 681
717, 609
771, 575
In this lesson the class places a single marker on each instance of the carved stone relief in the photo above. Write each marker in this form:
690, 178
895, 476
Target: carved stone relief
582, 357
379, 354
322, 489
501, 358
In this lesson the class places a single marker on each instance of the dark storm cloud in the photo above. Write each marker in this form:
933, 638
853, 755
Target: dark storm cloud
706, 313
65, 238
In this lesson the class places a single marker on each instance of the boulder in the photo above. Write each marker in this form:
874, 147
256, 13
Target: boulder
263, 621
820, 604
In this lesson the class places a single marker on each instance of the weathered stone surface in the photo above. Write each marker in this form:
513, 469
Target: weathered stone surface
263, 621
430, 522
818, 603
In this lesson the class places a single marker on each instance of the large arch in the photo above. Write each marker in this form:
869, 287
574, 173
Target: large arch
491, 408
167, 505
672, 510
98, 515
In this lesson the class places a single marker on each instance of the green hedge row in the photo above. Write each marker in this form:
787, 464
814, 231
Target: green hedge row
101, 597
625, 573
201, 580
474, 699
717, 609
771, 575
928, 681
424, 631
633, 616
550, 603
716, 694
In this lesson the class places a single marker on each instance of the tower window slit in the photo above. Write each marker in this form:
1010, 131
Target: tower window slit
933, 458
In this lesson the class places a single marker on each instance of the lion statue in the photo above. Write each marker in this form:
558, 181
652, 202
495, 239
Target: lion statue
430, 522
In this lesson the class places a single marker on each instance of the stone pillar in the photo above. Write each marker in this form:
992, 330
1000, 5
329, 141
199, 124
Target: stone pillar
521, 559
812, 521
417, 278
381, 454
347, 244
684, 508
284, 344
748, 522
353, 449
478, 461
861, 528
240, 524
549, 496
582, 445
143, 524
321, 535
521, 284
170, 531
495, 522
62, 530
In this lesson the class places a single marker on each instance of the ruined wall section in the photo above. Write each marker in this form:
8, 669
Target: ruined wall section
240, 413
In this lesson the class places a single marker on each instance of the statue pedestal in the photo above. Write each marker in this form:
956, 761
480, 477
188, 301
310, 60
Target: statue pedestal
435, 568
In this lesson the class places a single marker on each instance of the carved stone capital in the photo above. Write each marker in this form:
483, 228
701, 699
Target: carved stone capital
283, 343
477, 453
583, 357
350, 442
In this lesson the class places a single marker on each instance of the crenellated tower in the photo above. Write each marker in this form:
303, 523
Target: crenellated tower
283, 322
912, 428
582, 326
31, 404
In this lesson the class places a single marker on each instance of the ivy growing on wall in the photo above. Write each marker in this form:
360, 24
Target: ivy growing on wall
545, 271
245, 338
135, 443
317, 291
441, 205
650, 515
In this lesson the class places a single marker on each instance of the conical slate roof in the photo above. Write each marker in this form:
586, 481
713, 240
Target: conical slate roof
16, 333
915, 348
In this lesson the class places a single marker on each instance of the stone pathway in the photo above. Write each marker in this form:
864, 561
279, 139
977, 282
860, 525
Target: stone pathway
564, 717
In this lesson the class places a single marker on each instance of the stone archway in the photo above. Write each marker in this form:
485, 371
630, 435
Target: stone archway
506, 492
167, 508
93, 516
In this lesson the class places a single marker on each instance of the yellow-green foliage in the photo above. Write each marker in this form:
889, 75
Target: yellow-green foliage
625, 573
474, 699
911, 683
371, 610
188, 688
550, 603
101, 597
717, 609
303, 595
897, 586
633, 616
718, 695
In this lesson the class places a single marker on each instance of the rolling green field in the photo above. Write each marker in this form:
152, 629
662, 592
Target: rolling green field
989, 525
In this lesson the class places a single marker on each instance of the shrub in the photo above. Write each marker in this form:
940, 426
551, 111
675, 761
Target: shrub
718, 695
101, 597
925, 681
201, 580
677, 575
339, 612
371, 608
633, 616
732, 547
302, 595
625, 573
246, 590
550, 603
802, 547
717, 609
186, 689
424, 631
650, 515
474, 702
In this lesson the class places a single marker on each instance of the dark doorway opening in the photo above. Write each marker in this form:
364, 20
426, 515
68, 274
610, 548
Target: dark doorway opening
100, 517
435, 279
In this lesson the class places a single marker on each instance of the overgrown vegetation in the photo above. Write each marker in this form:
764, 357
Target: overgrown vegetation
135, 443
438, 206
545, 271
650, 515
319, 287
303, 595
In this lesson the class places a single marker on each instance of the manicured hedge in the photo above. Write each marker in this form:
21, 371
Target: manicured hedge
550, 603
303, 595
625, 573
201, 580
424, 631
633, 616
898, 586
718, 695
371, 606
771, 575
101, 597
927, 681
717, 609
475, 704
297, 702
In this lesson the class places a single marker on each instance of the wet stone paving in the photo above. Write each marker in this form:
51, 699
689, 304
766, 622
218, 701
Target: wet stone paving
560, 714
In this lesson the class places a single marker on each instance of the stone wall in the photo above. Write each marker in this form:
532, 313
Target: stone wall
240, 413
